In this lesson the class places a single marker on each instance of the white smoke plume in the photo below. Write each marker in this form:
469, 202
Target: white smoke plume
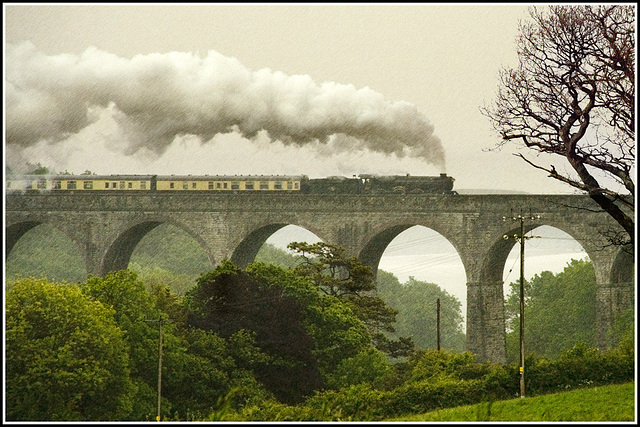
158, 97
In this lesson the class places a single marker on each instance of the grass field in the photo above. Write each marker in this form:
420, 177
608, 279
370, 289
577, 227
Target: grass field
607, 403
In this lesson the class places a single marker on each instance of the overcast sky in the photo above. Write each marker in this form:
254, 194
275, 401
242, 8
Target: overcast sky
263, 89
319, 90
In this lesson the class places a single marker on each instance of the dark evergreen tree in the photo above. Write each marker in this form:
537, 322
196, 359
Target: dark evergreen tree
228, 299
346, 278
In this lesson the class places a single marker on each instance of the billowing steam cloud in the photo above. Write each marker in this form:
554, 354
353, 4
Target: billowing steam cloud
157, 97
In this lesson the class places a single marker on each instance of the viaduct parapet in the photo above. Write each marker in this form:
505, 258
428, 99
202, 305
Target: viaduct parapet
107, 227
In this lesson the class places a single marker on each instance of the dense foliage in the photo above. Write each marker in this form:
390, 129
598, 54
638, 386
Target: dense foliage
66, 358
286, 344
167, 256
560, 310
415, 302
228, 300
45, 251
434, 379
335, 274
270, 343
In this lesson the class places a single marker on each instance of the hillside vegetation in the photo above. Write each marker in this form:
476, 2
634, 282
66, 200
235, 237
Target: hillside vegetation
606, 403
270, 343
167, 256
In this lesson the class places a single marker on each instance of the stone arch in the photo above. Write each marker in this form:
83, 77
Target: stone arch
379, 239
14, 232
493, 265
622, 268
372, 252
119, 251
245, 252
615, 297
17, 230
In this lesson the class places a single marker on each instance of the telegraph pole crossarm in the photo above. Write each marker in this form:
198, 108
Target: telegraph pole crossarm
521, 238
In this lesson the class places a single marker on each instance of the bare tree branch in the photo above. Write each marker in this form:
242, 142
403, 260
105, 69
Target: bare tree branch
573, 95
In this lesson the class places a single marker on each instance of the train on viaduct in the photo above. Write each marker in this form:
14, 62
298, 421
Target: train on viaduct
107, 225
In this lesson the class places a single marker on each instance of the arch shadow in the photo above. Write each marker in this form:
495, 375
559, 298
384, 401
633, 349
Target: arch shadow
247, 250
119, 252
14, 232
56, 251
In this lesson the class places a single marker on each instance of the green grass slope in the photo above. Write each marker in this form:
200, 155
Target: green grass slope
607, 403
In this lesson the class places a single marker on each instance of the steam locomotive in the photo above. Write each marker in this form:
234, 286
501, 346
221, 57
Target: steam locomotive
358, 184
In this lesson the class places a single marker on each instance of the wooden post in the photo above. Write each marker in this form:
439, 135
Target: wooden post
438, 323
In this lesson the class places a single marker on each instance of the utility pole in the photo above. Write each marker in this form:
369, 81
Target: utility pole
521, 238
438, 323
160, 322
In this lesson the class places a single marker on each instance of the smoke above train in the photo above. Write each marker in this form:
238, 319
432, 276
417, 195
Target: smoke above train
156, 98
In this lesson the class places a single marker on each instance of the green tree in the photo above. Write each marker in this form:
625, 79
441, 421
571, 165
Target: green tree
368, 366
228, 299
559, 310
37, 169
270, 254
346, 278
415, 302
134, 310
66, 359
154, 276
192, 378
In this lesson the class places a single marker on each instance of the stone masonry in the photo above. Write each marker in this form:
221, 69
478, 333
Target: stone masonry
106, 227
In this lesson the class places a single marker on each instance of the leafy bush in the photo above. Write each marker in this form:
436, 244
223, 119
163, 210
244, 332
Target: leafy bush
578, 366
353, 403
426, 395
66, 358
365, 367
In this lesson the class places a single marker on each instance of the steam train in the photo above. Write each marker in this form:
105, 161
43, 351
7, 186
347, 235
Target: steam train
360, 184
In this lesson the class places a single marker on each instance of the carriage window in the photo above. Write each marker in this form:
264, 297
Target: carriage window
218, 185
264, 185
235, 185
193, 185
248, 185
121, 186
277, 185
171, 185
185, 185
106, 185
88, 185
210, 185
143, 185
224, 185
296, 186
289, 185
71, 185
42, 184
57, 185
130, 185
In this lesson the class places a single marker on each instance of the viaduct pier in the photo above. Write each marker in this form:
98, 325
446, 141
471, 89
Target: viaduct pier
107, 226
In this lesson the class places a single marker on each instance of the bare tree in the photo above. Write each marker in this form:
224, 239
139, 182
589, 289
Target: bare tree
573, 95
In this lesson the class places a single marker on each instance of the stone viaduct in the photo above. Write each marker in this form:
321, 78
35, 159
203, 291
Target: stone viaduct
106, 227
